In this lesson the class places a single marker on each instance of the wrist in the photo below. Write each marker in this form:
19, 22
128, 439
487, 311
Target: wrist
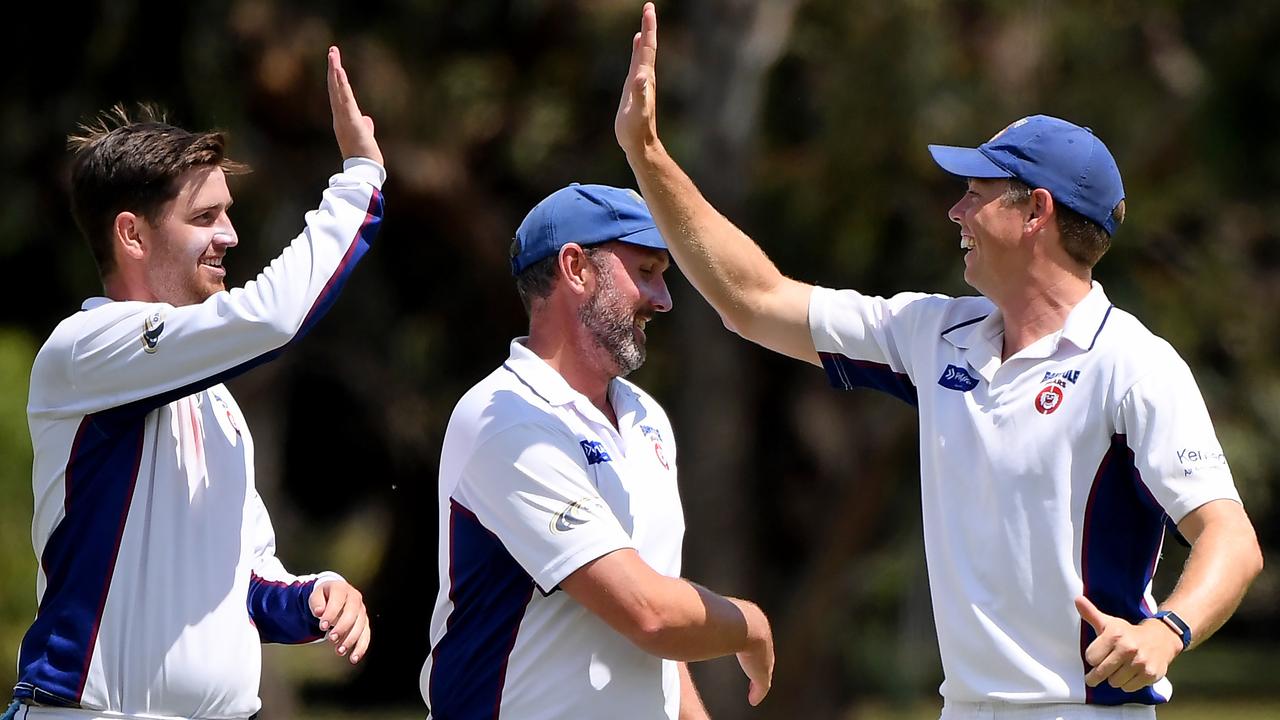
648, 154
1176, 626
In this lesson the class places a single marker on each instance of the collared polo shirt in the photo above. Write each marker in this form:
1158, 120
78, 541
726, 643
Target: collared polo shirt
535, 482
1043, 476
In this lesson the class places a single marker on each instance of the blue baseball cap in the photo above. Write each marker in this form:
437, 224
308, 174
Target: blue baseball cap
586, 215
1046, 152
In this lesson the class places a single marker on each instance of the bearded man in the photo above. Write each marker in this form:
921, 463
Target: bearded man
558, 474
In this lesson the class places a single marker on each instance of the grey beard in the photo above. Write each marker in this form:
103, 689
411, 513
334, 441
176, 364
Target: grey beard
611, 323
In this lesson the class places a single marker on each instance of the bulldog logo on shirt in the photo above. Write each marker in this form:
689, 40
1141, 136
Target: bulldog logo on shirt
1048, 399
655, 436
1051, 395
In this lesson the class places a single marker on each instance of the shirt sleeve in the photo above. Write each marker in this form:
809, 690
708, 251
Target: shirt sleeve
530, 485
1175, 449
279, 600
130, 352
865, 341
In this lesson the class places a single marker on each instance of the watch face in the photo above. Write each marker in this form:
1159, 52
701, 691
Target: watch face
1177, 625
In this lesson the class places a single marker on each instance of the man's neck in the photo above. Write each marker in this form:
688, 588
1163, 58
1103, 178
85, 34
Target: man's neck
1038, 309
567, 358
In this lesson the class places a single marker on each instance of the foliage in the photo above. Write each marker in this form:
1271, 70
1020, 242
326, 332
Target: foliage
804, 498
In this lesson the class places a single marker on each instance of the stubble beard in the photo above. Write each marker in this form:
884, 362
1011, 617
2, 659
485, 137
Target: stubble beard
611, 323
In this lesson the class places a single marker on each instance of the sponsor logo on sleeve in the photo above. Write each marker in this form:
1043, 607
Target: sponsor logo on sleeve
152, 326
1193, 459
957, 378
595, 452
576, 513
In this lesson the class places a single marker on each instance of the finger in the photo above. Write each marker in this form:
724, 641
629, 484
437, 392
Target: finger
348, 640
351, 612
1127, 678
1104, 670
337, 593
1091, 614
756, 692
342, 101
1138, 682
649, 36
362, 643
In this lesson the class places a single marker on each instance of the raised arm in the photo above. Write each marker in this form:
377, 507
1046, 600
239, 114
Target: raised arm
753, 298
140, 355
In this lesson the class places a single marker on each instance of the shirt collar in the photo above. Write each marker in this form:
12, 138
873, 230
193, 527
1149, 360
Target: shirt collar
551, 386
1084, 322
95, 302
538, 375
1086, 319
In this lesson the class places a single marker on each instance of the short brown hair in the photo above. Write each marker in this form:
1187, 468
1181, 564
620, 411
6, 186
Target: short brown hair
1084, 240
132, 163
537, 280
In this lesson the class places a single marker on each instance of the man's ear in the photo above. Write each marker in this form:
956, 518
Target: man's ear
126, 235
1042, 209
574, 267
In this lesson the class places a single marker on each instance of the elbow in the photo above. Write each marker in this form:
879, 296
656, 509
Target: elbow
657, 634
1255, 561
651, 632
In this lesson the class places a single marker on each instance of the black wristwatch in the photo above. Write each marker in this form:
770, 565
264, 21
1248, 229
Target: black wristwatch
1177, 625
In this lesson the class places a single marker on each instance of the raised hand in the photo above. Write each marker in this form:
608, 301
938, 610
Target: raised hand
353, 130
1127, 656
636, 124
344, 620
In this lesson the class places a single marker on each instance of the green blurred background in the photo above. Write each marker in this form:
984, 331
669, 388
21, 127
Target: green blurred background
805, 122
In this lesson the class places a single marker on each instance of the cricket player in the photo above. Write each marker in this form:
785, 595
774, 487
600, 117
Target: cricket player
158, 579
1058, 436
560, 518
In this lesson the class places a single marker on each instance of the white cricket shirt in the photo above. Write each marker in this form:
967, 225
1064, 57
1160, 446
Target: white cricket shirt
1052, 473
158, 578
535, 482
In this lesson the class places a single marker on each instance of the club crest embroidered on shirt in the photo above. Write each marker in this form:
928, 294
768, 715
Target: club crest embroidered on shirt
1048, 399
152, 326
655, 437
1051, 395
595, 452
957, 378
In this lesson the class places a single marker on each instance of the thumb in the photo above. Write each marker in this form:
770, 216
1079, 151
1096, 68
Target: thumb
1091, 614
755, 693
318, 600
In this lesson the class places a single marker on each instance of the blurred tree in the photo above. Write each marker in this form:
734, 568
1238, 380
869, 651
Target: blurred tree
804, 122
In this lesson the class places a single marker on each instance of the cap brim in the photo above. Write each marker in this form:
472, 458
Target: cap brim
966, 162
648, 237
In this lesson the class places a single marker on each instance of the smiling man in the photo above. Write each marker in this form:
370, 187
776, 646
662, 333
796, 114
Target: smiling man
1057, 434
560, 519
158, 579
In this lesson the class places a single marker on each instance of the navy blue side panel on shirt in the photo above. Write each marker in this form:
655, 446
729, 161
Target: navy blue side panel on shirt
281, 611
1120, 544
79, 560
490, 592
847, 373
